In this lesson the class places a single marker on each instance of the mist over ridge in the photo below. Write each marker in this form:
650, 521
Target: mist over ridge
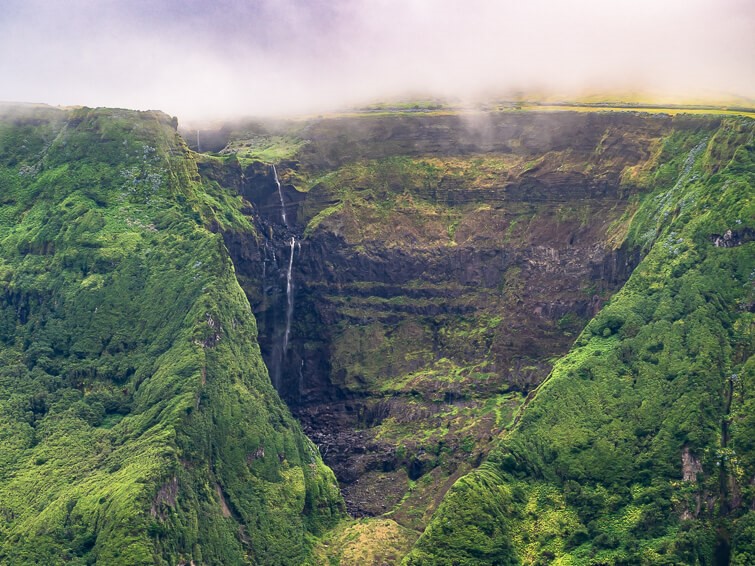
230, 58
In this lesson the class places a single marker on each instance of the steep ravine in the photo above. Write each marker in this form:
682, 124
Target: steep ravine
442, 263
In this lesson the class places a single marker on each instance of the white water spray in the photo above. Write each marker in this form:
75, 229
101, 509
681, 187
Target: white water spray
280, 195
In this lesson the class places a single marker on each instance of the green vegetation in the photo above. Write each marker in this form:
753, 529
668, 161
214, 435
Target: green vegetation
441, 362
249, 146
472, 526
406, 105
404, 190
637, 449
647, 109
366, 541
138, 423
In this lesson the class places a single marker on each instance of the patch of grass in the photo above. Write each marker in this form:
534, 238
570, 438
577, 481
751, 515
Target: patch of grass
366, 541
266, 148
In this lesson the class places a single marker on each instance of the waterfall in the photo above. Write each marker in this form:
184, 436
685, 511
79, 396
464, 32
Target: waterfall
280, 195
279, 350
280, 345
289, 296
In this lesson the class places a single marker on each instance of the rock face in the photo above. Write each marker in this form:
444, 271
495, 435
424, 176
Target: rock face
441, 263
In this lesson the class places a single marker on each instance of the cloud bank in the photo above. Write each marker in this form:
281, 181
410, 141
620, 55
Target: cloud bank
203, 60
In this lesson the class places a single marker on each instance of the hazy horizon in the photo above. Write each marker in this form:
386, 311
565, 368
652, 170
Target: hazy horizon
202, 61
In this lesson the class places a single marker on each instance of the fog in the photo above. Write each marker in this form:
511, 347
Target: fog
207, 60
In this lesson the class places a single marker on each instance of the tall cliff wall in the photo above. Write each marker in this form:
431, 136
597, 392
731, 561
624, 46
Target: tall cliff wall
442, 264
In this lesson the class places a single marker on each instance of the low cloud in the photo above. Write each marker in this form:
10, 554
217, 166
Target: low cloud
202, 60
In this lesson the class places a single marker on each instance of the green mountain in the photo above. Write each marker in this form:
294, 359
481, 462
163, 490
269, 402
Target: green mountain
516, 337
139, 425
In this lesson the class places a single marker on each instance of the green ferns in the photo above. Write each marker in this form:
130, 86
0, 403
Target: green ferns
638, 448
138, 423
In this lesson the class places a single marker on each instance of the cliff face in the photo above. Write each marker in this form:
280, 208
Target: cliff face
139, 425
440, 265
625, 454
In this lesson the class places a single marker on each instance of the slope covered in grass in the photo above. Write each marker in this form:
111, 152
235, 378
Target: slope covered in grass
638, 448
138, 424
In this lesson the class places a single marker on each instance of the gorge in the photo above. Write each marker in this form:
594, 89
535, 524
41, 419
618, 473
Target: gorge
513, 336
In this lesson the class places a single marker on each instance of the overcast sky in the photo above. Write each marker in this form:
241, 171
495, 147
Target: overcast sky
209, 59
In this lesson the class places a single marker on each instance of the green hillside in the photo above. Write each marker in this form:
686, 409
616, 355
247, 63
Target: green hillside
638, 448
139, 425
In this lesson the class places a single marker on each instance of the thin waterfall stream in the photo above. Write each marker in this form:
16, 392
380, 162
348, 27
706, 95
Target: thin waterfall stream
281, 235
280, 195
289, 295
277, 370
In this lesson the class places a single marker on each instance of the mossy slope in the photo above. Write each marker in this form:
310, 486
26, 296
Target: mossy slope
637, 449
139, 425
